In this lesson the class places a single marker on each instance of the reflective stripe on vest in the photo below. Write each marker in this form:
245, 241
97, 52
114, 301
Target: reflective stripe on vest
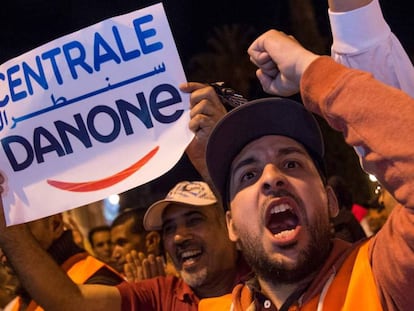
79, 273
352, 288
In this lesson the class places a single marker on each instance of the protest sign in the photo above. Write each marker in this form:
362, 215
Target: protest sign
90, 114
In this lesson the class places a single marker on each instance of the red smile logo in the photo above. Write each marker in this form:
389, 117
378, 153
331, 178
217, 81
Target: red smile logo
105, 182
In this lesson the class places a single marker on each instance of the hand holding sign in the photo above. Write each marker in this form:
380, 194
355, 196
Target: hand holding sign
206, 111
95, 112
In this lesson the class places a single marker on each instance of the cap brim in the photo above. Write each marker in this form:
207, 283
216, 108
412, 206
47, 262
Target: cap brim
268, 116
153, 216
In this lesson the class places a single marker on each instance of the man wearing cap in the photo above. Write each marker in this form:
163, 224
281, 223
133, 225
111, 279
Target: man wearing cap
277, 194
272, 179
208, 257
195, 235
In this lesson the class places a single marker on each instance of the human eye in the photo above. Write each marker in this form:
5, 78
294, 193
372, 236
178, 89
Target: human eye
122, 243
295, 166
289, 164
194, 220
244, 177
247, 176
168, 229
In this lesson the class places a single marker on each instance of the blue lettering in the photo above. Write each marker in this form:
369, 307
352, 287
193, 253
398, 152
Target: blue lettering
17, 166
44, 142
80, 132
40, 132
51, 55
91, 125
142, 35
4, 122
102, 58
143, 114
124, 54
157, 105
5, 99
76, 61
39, 78
15, 83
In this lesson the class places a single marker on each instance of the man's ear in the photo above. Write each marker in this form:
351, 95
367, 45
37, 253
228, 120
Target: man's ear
158, 238
230, 227
154, 236
57, 225
333, 205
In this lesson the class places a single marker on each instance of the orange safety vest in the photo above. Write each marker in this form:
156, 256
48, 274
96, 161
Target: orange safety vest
79, 272
351, 288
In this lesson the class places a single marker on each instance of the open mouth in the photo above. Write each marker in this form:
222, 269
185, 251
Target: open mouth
282, 221
188, 258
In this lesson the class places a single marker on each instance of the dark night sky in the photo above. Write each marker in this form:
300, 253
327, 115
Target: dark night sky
26, 24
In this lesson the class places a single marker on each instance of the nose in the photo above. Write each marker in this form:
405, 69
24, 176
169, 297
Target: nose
272, 178
116, 252
182, 234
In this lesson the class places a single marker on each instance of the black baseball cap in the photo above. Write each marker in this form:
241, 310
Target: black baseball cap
257, 118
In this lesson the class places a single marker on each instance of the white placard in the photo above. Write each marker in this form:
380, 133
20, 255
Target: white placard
90, 114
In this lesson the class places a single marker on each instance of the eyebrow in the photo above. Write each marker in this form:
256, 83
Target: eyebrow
282, 151
244, 162
293, 149
185, 215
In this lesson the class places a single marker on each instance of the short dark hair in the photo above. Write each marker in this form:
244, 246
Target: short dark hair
96, 230
136, 214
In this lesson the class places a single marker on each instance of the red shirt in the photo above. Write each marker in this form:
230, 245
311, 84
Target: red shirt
168, 293
160, 293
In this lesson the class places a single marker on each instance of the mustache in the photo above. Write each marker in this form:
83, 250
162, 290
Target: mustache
183, 246
281, 193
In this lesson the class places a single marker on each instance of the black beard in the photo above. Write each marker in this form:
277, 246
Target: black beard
310, 260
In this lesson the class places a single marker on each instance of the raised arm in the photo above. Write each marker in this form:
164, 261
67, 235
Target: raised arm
377, 120
206, 111
362, 39
360, 99
44, 280
281, 61
344, 6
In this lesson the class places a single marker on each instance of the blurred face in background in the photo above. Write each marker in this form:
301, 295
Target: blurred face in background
102, 245
123, 241
46, 231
